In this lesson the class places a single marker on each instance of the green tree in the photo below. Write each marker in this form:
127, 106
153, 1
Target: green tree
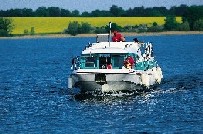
75, 13
65, 13
193, 14
198, 25
155, 28
27, 12
114, 27
142, 28
184, 26
179, 11
16, 13
138, 12
100, 30
32, 30
116, 11
96, 13
54, 11
41, 12
26, 31
73, 28
6, 26
170, 23
85, 28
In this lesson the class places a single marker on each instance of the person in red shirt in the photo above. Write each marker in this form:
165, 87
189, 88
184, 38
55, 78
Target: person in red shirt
109, 66
117, 37
129, 62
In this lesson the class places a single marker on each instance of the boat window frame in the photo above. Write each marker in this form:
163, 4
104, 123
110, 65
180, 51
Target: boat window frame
83, 61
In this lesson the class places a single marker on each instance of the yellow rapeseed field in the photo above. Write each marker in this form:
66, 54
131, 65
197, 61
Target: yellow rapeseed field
58, 24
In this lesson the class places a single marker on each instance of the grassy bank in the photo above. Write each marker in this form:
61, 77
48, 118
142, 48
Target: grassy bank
46, 25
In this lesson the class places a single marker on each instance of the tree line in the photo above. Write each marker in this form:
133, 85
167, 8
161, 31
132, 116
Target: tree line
192, 19
114, 11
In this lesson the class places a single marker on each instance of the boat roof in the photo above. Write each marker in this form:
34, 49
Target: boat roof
104, 51
112, 47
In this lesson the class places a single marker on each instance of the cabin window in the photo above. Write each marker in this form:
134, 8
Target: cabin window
90, 62
118, 61
103, 61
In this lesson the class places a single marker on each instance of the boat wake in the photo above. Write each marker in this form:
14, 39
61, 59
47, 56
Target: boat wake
183, 82
171, 85
108, 96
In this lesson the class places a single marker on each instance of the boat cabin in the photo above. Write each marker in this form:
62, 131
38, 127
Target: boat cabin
112, 55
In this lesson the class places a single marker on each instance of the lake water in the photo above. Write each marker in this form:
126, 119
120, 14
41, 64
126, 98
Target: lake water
34, 97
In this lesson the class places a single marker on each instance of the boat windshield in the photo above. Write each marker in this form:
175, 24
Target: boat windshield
117, 61
101, 61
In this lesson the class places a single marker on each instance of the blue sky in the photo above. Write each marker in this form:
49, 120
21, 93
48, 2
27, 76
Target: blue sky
90, 5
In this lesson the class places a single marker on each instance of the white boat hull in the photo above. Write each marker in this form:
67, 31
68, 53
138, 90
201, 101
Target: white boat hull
105, 80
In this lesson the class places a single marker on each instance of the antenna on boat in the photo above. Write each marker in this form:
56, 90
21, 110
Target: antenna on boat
109, 33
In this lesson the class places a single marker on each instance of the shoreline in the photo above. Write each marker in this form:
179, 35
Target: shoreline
94, 35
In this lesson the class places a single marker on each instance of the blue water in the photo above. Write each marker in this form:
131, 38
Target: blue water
34, 97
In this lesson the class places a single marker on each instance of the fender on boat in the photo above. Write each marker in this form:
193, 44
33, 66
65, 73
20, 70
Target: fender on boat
70, 82
145, 79
158, 75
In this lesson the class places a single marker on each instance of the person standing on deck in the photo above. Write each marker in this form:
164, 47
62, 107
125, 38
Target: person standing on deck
117, 37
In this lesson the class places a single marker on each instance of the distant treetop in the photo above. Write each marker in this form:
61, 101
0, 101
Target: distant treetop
114, 11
